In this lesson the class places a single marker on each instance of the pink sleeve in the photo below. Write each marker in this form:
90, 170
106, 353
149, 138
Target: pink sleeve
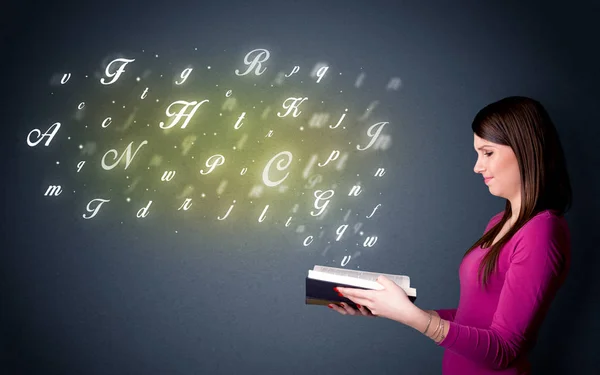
447, 314
534, 275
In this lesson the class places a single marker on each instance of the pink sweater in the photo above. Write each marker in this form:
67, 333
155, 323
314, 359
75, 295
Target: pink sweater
491, 332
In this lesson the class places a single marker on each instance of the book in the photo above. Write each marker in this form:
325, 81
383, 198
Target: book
321, 280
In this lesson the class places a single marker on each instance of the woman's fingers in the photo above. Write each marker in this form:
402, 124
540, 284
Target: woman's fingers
363, 310
346, 309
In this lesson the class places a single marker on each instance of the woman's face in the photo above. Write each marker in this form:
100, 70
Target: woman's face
498, 164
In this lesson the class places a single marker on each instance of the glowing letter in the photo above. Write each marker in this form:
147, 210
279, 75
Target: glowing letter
80, 165
375, 209
280, 167
186, 205
213, 162
340, 120
262, 216
293, 105
380, 172
306, 240
340, 231
104, 124
373, 132
239, 123
119, 71
144, 94
261, 57
295, 70
227, 214
39, 135
182, 113
355, 190
317, 68
321, 195
53, 190
127, 152
94, 211
168, 176
319, 71
65, 78
370, 241
334, 155
143, 212
184, 75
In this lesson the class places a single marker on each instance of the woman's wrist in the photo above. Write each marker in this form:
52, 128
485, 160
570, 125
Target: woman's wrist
429, 323
419, 320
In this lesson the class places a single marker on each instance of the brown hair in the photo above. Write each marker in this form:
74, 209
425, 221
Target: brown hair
523, 124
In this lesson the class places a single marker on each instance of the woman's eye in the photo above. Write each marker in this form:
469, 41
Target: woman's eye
487, 153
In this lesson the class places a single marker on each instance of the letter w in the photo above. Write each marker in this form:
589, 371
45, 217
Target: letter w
168, 176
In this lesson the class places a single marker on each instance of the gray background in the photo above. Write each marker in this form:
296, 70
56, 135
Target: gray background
97, 297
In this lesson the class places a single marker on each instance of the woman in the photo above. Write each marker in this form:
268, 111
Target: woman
509, 277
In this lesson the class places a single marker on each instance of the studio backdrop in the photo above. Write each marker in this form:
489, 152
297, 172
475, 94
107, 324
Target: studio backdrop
172, 171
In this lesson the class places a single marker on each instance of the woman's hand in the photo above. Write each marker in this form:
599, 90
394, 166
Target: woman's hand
390, 302
346, 309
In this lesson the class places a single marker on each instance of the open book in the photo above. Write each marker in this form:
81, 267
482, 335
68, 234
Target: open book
321, 280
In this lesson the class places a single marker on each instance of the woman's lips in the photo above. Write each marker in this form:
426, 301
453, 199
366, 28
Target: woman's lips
486, 180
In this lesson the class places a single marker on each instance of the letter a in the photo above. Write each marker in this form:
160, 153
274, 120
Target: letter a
54, 128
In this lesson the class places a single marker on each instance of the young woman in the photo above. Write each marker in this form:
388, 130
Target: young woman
509, 277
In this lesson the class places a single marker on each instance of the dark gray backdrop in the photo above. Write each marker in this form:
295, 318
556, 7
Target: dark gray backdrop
95, 297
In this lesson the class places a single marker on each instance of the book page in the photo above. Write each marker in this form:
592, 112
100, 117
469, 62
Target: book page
402, 280
353, 281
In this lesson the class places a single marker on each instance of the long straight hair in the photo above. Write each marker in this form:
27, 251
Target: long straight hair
523, 124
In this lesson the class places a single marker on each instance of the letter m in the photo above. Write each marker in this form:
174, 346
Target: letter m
53, 190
